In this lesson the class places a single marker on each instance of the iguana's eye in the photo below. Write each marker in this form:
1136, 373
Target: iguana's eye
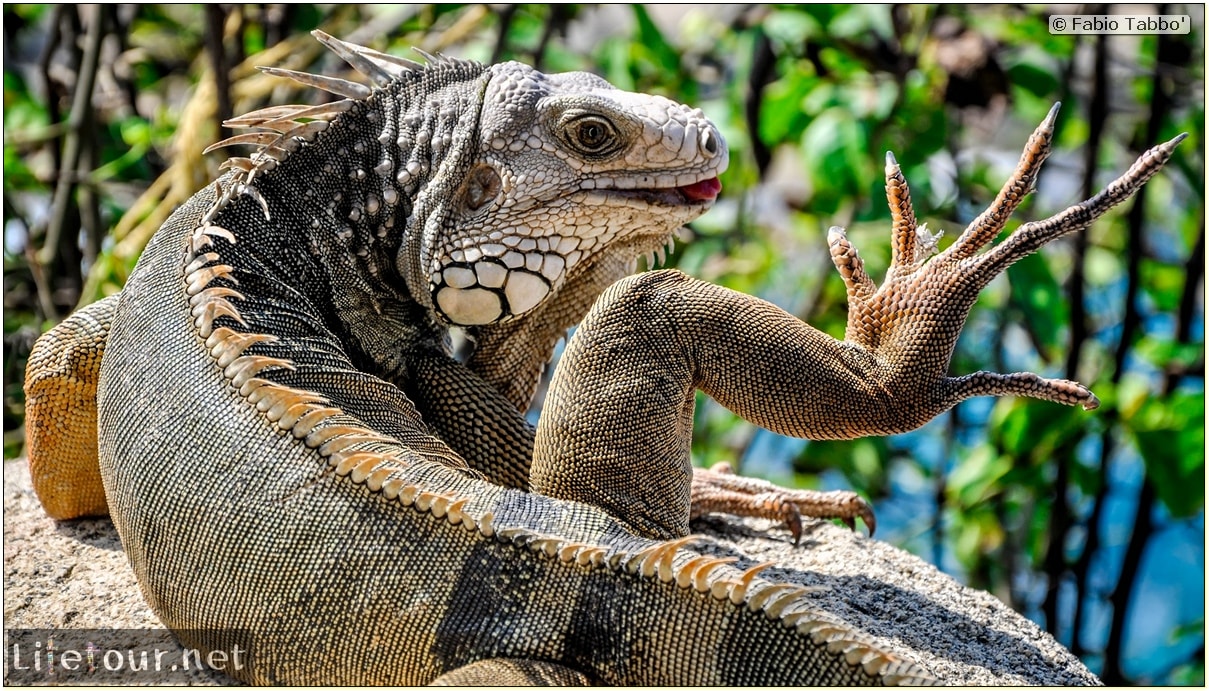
592, 135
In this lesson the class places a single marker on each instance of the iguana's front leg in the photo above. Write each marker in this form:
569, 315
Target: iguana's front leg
618, 417
473, 417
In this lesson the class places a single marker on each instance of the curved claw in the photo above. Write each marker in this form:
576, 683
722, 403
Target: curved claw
793, 521
867, 516
849, 264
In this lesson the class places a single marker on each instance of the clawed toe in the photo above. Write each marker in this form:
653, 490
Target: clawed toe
1027, 384
721, 492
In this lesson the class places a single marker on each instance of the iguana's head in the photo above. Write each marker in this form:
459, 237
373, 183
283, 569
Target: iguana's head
508, 182
563, 168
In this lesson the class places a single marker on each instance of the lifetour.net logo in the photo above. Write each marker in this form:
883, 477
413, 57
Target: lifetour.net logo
120, 656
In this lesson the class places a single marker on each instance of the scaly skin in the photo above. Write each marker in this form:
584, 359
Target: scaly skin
343, 547
61, 405
297, 465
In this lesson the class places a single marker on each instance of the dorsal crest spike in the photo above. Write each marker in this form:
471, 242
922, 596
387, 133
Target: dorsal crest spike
274, 116
355, 56
429, 57
264, 114
264, 140
324, 112
648, 560
440, 59
240, 163
340, 87
392, 63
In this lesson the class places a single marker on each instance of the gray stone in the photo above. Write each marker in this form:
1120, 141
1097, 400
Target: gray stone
74, 574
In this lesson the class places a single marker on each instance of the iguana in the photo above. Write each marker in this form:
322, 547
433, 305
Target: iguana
295, 461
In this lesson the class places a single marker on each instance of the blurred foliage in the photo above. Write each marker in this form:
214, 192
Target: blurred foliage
1057, 511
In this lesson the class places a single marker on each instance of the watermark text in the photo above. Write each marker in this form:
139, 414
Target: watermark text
1120, 24
35, 656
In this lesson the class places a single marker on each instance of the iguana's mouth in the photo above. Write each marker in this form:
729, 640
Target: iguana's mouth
706, 190
703, 192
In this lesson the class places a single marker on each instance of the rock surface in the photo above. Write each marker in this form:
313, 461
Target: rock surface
74, 575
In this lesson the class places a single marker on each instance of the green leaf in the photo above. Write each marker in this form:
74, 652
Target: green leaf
863, 461
860, 21
790, 27
17, 174
1163, 283
1166, 354
1170, 436
1036, 293
1038, 80
1102, 266
782, 115
977, 477
977, 534
834, 146
1033, 429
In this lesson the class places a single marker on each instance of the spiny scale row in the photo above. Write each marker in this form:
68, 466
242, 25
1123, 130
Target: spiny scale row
701, 574
284, 132
295, 411
380, 68
300, 413
289, 126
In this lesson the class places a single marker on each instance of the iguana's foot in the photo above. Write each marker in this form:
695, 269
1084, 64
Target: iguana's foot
719, 490
911, 322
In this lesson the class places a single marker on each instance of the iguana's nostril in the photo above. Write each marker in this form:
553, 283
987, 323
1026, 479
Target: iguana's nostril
709, 141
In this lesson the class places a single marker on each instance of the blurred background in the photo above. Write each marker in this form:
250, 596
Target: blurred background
1092, 524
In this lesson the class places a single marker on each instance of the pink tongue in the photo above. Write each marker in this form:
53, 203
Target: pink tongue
702, 191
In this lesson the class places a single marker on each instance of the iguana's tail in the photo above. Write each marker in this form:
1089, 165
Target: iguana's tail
61, 413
